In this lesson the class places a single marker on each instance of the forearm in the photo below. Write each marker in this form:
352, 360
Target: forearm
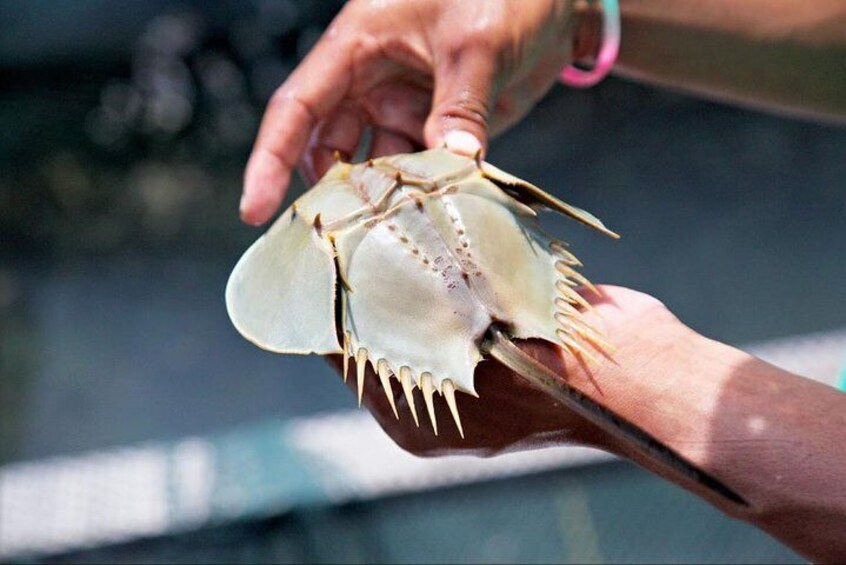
776, 439
781, 54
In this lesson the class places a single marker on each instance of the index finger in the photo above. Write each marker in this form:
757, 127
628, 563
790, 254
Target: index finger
310, 94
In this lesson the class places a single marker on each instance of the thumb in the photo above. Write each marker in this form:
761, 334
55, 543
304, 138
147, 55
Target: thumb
462, 103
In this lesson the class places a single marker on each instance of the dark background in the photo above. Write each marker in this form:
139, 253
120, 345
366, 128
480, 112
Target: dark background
124, 129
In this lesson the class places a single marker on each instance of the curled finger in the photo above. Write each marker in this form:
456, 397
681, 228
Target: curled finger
310, 94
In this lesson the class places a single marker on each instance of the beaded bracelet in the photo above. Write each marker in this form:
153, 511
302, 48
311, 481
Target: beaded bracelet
608, 51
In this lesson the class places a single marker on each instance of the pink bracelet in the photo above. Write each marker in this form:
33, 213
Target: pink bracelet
608, 51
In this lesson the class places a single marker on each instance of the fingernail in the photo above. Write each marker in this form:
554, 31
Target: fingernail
462, 142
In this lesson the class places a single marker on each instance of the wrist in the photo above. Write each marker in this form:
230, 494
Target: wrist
669, 385
663, 378
754, 427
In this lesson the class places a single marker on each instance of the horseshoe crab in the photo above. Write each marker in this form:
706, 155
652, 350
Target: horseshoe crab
420, 264
421, 254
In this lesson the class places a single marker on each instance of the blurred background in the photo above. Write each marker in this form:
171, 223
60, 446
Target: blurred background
124, 130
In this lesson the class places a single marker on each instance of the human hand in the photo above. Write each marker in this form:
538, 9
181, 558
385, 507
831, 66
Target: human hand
729, 415
511, 415
418, 73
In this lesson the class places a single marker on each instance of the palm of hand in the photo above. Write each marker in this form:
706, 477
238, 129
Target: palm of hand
509, 414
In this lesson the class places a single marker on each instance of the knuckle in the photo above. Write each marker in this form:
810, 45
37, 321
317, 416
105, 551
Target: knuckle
453, 50
358, 13
467, 106
365, 46
280, 97
483, 38
285, 97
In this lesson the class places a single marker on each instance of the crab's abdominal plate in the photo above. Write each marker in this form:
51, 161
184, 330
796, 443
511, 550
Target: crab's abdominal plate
421, 293
409, 301
426, 251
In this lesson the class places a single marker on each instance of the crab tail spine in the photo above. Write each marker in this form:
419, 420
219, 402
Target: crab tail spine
449, 395
636, 439
385, 378
407, 382
428, 389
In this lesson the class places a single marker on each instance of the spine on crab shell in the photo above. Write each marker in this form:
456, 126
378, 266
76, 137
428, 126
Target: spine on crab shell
360, 368
572, 325
406, 378
385, 378
449, 395
428, 389
407, 381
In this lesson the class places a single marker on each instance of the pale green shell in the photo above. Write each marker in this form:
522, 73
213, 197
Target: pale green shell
425, 252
